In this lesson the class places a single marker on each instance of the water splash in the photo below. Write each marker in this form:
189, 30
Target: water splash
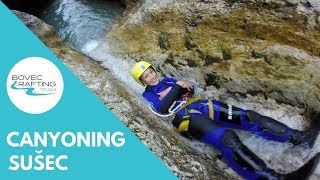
120, 67
89, 46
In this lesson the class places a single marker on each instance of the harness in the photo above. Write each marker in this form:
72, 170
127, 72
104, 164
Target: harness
174, 109
187, 100
181, 124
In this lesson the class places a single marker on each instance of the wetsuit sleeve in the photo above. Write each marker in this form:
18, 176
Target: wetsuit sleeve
172, 96
173, 81
163, 105
153, 99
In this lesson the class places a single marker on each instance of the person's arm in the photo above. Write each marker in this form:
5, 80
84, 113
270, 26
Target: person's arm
186, 85
168, 100
162, 103
174, 94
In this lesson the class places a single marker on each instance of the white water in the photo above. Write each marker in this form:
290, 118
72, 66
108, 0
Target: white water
80, 21
89, 46
121, 68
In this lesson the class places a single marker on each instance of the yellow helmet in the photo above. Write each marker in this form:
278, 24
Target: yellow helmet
138, 69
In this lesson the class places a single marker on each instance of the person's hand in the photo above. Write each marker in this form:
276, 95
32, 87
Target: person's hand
164, 93
185, 84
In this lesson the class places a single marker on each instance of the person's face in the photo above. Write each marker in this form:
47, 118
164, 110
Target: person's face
149, 77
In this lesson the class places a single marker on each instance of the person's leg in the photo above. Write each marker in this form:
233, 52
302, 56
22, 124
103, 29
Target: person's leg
238, 156
233, 117
272, 129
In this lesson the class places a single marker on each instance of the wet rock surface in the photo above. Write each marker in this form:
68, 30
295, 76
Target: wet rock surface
246, 47
261, 55
188, 161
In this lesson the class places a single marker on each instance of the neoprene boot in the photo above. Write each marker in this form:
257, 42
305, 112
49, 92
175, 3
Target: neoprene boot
302, 173
241, 155
306, 170
304, 137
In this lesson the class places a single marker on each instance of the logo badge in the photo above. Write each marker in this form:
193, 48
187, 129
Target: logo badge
35, 85
229, 112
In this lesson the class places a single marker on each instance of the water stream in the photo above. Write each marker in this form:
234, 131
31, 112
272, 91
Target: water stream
82, 23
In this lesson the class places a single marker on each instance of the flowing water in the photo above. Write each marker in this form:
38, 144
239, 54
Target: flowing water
83, 23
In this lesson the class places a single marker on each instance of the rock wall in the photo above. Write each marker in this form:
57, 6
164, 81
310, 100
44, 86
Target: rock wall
243, 46
186, 160
261, 55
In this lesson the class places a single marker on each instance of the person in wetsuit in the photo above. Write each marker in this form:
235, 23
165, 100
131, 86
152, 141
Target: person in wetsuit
210, 121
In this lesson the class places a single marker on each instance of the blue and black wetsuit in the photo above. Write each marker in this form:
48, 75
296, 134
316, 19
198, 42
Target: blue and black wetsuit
210, 121
224, 115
